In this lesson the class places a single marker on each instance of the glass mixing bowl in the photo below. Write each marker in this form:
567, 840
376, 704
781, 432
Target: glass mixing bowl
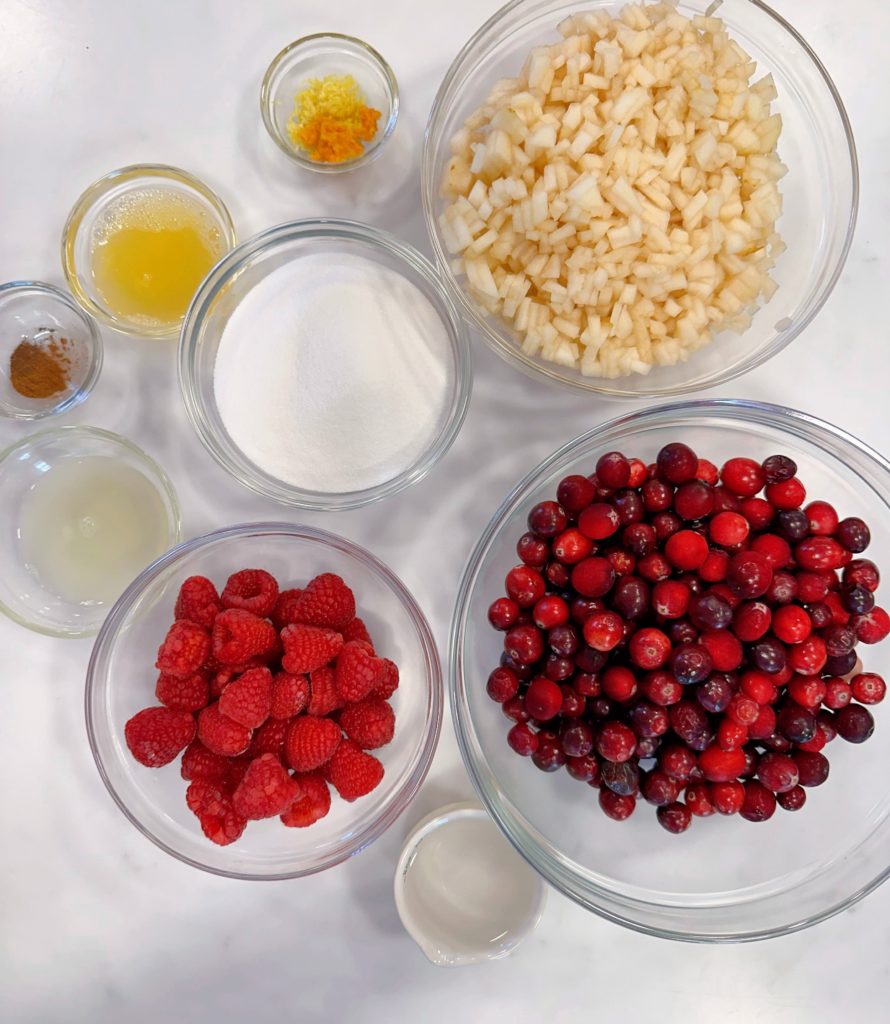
120, 681
725, 879
821, 189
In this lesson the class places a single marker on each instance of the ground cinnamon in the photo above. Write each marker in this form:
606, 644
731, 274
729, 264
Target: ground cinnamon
40, 370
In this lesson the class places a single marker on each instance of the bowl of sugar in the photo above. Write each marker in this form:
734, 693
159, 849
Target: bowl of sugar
323, 364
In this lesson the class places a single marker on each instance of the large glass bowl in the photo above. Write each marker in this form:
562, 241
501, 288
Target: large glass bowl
820, 191
120, 681
725, 879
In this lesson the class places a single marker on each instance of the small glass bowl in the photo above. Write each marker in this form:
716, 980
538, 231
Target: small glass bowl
23, 596
725, 880
79, 230
243, 269
328, 53
120, 683
36, 312
820, 191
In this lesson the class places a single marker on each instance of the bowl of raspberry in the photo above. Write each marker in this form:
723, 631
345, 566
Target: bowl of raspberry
670, 632
264, 701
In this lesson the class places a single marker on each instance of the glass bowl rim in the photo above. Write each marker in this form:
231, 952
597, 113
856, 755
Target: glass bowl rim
228, 268
408, 787
93, 197
611, 389
556, 868
94, 344
159, 479
286, 54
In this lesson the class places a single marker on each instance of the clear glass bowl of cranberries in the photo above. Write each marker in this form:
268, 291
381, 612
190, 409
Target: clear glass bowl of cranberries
121, 680
683, 648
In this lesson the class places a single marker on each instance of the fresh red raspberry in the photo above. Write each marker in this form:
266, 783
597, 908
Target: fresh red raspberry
269, 739
290, 695
307, 648
248, 698
198, 601
323, 696
156, 735
185, 649
237, 770
223, 676
266, 789
188, 694
387, 682
357, 630
311, 742
356, 672
283, 612
239, 635
200, 763
220, 734
352, 772
370, 723
254, 590
326, 601
314, 803
220, 822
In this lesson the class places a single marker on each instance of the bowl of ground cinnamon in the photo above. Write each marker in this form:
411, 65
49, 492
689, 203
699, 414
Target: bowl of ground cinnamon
50, 351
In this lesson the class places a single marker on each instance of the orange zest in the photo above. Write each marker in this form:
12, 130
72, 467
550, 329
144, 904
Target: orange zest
331, 120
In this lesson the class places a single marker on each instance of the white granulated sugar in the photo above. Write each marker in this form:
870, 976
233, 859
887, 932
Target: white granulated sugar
333, 373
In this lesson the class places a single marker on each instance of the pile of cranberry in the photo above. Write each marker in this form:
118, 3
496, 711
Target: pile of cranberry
674, 634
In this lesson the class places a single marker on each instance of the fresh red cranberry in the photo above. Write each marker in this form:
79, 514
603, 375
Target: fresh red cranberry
557, 575
759, 686
820, 614
514, 709
563, 640
808, 656
839, 640
814, 745
853, 534
617, 807
670, 598
868, 688
587, 684
623, 778
839, 615
558, 669
676, 463
727, 797
623, 562
713, 568
749, 574
698, 799
691, 663
603, 630
690, 722
503, 613
764, 725
654, 567
789, 494
533, 551
817, 553
659, 789
550, 611
811, 587
666, 524
793, 800
751, 759
807, 691
549, 756
856, 599
647, 747
862, 572
649, 648
589, 660
629, 506
872, 627
543, 699
613, 470
677, 761
657, 495
724, 648
649, 720
524, 644
778, 468
686, 550
637, 473
599, 521
681, 631
584, 769
721, 765
759, 803
822, 518
725, 500
582, 608
792, 524
783, 589
630, 598
825, 725
573, 704
812, 767
744, 477
758, 512
574, 493
571, 546
743, 710
854, 723
523, 739
796, 724
731, 735
694, 500
661, 688
593, 577
791, 624
710, 611
615, 742
503, 683
838, 694
576, 739
601, 708
525, 585
676, 817
842, 666
775, 549
768, 655
751, 621
707, 472
778, 772
619, 683
728, 529
715, 693
639, 538
547, 519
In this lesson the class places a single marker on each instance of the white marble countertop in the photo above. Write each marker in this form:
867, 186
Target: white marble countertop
99, 926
